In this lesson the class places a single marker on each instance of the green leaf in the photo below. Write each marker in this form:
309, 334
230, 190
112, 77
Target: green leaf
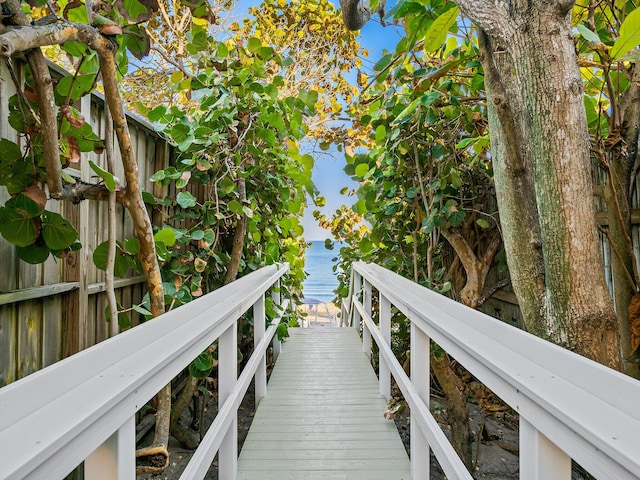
362, 169
406, 112
482, 223
201, 365
186, 200
136, 40
629, 35
9, 151
110, 180
25, 206
75, 49
308, 97
365, 246
124, 321
167, 236
17, 229
197, 235
132, 246
235, 207
437, 33
254, 44
587, 34
383, 63
142, 310
381, 133
428, 98
282, 331
34, 253
100, 255
134, 10
466, 142
75, 87
57, 232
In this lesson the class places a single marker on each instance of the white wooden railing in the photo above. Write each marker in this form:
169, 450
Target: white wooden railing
569, 407
83, 408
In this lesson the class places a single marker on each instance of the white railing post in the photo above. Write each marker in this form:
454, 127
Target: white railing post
357, 286
259, 328
366, 334
385, 331
539, 458
277, 300
227, 378
115, 459
420, 379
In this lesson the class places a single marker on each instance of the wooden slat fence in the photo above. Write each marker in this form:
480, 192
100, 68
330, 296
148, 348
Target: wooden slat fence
55, 309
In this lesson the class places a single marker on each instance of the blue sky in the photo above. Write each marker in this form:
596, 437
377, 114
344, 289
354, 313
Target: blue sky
328, 173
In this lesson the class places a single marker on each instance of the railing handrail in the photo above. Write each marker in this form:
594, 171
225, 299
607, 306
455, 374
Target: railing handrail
53, 419
586, 410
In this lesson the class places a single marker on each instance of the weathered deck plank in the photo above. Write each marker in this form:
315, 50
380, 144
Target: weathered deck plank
322, 417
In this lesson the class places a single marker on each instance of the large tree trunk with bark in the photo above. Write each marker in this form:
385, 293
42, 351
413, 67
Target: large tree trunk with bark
540, 144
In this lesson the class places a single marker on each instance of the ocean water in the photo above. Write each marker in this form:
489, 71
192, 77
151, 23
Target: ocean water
321, 281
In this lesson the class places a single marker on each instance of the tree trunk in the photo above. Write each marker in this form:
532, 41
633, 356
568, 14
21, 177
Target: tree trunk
623, 162
238, 237
540, 140
457, 408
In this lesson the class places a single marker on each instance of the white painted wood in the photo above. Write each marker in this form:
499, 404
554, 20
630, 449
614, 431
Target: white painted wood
277, 299
366, 336
384, 374
421, 383
586, 409
323, 416
227, 378
53, 419
115, 459
259, 327
540, 459
443, 450
355, 321
210, 444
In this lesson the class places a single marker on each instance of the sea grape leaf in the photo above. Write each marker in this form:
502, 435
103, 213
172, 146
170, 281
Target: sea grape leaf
57, 231
34, 253
17, 229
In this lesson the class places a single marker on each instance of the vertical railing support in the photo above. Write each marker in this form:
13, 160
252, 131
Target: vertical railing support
419, 365
540, 458
366, 334
259, 327
227, 378
357, 286
385, 331
277, 300
115, 459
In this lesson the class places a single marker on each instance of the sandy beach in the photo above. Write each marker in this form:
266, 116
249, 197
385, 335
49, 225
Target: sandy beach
319, 315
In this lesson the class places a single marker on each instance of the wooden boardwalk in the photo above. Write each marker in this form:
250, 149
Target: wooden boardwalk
322, 417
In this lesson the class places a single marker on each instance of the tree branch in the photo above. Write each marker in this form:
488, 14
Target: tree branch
46, 105
356, 13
